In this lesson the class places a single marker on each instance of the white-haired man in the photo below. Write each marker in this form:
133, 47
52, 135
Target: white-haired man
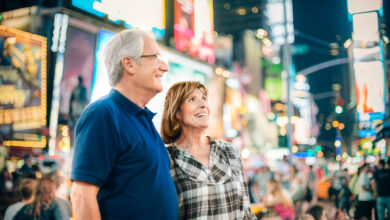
120, 166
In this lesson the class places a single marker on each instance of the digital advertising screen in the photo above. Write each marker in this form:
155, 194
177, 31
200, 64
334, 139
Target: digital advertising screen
149, 16
22, 88
78, 64
370, 84
194, 28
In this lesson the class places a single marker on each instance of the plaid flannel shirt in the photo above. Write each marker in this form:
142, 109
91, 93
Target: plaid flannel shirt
217, 192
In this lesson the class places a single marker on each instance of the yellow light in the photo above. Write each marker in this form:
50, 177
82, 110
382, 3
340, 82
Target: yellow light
294, 149
241, 11
328, 126
255, 10
267, 42
341, 126
227, 6
320, 154
335, 124
11, 40
226, 74
218, 71
347, 43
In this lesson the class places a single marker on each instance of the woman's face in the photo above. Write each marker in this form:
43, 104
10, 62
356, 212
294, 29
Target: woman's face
194, 111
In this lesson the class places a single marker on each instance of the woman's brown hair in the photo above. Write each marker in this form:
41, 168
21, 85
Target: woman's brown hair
177, 94
44, 195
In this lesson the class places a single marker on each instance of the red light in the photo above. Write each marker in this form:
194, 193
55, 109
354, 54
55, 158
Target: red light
41, 157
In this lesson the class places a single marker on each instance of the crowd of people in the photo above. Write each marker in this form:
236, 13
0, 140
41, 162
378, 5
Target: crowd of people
360, 195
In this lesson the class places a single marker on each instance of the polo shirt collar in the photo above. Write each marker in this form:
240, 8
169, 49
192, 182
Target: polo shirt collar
131, 106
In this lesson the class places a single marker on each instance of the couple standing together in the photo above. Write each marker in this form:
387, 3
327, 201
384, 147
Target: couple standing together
121, 168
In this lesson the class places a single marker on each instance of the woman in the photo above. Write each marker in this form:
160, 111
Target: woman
208, 173
279, 199
45, 206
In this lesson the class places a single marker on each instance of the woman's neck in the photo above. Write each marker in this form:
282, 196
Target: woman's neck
191, 139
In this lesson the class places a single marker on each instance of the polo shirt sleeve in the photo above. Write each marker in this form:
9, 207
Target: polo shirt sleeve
96, 146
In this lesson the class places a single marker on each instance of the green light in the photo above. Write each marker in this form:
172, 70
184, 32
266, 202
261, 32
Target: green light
318, 148
310, 152
338, 109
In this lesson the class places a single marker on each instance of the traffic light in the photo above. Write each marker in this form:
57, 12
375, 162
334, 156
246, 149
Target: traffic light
318, 148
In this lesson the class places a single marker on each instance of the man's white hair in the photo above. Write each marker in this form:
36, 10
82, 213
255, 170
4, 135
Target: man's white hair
126, 43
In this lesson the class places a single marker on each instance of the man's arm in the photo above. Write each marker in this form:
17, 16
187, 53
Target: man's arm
84, 201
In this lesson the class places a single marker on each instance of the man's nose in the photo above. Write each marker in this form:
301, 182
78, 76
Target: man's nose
164, 66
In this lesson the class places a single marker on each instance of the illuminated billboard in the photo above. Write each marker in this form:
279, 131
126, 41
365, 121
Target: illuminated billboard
100, 85
22, 88
148, 15
194, 28
370, 84
79, 62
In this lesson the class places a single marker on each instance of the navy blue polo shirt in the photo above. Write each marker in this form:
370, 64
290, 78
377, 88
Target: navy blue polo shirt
118, 149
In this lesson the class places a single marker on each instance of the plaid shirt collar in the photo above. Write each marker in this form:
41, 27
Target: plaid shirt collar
219, 170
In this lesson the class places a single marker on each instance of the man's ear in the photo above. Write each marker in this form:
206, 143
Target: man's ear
128, 64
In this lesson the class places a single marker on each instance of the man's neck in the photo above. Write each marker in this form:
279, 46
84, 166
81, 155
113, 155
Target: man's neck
137, 96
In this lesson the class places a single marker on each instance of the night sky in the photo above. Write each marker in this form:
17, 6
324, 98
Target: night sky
326, 21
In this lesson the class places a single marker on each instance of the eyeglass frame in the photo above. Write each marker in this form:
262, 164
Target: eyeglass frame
159, 58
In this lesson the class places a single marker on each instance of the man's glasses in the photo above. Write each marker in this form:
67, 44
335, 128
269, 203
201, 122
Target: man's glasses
160, 59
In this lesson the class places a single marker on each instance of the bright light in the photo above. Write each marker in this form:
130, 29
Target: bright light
267, 42
271, 116
261, 33
335, 124
347, 43
367, 145
218, 71
328, 126
320, 154
241, 11
294, 149
338, 157
282, 121
337, 143
11, 40
338, 109
245, 153
341, 126
255, 10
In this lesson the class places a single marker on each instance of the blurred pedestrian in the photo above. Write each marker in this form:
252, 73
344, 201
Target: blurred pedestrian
45, 205
312, 181
318, 212
61, 194
208, 173
120, 166
382, 180
283, 174
346, 196
366, 202
260, 179
26, 190
27, 169
279, 200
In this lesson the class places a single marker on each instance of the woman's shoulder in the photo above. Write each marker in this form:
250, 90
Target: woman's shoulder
227, 147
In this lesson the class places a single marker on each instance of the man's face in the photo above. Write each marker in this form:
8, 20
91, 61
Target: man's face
149, 71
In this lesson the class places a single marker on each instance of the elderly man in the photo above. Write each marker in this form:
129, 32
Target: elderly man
120, 167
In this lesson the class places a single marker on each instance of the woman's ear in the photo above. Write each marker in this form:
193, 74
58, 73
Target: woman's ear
178, 115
